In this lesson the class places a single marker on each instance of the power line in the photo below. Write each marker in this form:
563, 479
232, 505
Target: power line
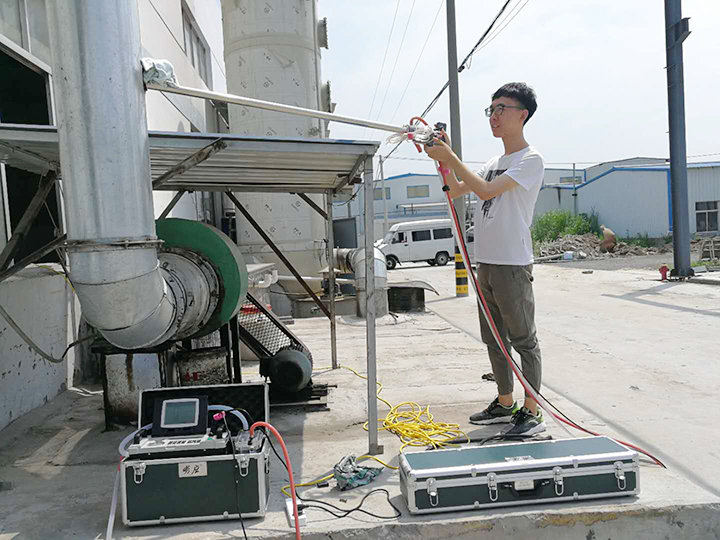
382, 67
509, 19
418, 60
392, 73
465, 62
462, 66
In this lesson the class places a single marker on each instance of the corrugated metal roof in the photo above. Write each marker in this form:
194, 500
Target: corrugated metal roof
245, 164
698, 165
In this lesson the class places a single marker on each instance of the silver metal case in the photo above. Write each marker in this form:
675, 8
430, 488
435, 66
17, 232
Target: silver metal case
516, 474
200, 486
189, 489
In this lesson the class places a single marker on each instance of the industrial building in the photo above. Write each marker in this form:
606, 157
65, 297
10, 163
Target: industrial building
280, 229
632, 197
190, 38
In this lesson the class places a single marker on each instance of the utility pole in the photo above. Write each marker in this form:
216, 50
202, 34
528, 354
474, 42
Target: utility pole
575, 205
461, 276
384, 199
677, 30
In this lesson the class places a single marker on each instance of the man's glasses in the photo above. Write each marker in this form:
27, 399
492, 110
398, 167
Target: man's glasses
499, 109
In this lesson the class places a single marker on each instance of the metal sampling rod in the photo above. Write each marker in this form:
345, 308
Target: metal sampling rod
270, 106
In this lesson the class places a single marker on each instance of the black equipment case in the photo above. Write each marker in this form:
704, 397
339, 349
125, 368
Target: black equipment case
516, 474
201, 487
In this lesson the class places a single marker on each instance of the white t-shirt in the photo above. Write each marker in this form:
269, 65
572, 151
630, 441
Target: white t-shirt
502, 224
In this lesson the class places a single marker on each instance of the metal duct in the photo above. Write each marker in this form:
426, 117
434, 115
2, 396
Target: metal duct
105, 159
353, 261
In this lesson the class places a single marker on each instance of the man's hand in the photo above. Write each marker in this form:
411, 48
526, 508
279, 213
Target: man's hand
440, 151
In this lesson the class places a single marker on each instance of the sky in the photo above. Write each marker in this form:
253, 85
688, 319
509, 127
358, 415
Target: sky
597, 67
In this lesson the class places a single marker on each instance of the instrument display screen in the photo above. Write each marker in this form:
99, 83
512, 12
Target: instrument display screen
180, 413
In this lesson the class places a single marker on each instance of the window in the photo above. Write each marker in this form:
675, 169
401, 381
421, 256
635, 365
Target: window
417, 192
439, 234
10, 25
399, 238
421, 236
39, 33
24, 100
378, 194
25, 23
195, 47
706, 216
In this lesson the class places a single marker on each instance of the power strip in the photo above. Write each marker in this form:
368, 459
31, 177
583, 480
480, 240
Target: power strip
290, 515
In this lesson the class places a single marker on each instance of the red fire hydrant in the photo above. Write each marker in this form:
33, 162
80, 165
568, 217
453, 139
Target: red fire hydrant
663, 272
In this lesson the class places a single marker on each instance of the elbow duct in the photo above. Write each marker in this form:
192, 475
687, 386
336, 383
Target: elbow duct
353, 261
124, 294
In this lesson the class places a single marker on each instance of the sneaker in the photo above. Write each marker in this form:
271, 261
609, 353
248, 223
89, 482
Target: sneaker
495, 414
526, 424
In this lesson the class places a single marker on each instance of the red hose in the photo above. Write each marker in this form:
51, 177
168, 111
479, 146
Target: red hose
289, 466
496, 334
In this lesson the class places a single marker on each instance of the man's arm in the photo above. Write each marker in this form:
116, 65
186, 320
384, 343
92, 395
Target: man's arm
463, 180
472, 182
457, 189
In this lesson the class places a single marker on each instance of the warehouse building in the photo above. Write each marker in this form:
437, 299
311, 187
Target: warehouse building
633, 197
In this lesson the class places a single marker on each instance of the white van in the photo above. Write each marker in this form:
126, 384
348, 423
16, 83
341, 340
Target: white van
429, 240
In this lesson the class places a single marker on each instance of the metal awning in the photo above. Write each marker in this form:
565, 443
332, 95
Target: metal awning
237, 163
231, 163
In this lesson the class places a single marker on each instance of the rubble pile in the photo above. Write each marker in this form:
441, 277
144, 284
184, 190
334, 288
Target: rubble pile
588, 246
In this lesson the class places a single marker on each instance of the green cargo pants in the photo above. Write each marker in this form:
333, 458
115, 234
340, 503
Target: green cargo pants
509, 295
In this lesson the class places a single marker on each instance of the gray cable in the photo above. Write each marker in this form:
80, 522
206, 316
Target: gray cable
34, 346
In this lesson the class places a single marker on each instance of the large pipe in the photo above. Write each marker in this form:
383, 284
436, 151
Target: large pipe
105, 159
352, 261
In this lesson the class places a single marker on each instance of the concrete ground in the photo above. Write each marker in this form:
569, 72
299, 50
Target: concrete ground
624, 355
640, 354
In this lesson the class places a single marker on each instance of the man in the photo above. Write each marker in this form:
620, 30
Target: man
508, 186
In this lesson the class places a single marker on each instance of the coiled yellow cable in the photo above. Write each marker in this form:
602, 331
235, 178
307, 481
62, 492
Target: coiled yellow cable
414, 425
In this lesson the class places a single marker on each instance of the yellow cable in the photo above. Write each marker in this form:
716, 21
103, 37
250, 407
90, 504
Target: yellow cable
416, 426
330, 476
312, 483
381, 462
59, 273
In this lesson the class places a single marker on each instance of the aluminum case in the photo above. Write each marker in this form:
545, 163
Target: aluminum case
202, 487
516, 474
189, 489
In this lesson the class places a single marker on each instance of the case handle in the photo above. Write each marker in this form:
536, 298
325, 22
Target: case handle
527, 493
559, 484
620, 475
432, 492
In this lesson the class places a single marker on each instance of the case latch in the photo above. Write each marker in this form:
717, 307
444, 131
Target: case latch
559, 484
492, 486
244, 465
432, 492
138, 472
620, 475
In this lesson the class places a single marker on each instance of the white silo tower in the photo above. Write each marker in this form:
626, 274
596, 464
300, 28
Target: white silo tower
272, 52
